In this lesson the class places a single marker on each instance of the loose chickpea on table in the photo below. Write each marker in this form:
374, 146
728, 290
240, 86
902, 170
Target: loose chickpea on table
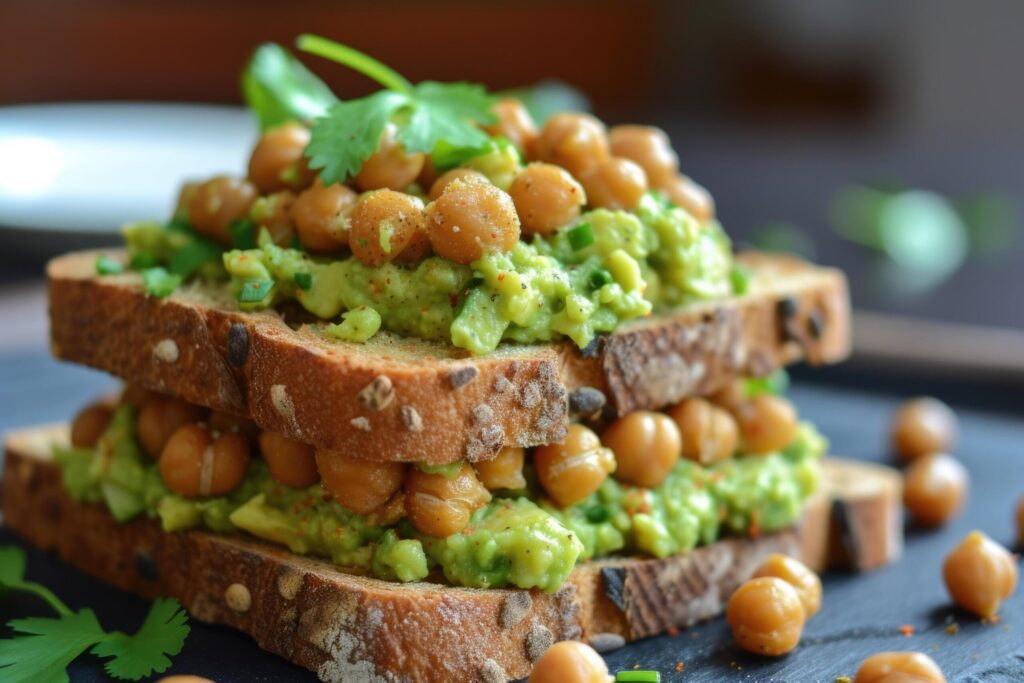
923, 426
797, 574
934, 488
569, 661
980, 574
767, 616
899, 667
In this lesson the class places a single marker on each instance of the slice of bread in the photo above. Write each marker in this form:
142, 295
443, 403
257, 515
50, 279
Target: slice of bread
348, 627
407, 399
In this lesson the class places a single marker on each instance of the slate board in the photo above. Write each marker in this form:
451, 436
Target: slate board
861, 613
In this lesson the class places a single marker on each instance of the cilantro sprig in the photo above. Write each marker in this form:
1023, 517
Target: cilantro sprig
426, 114
48, 645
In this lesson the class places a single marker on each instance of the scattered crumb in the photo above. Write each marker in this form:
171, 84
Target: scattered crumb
843, 679
672, 631
680, 666
952, 629
907, 630
994, 619
935, 647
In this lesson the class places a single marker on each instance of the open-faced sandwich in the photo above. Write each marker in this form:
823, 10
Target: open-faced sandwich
431, 386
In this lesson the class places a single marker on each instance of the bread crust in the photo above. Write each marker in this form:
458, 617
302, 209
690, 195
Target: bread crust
347, 627
413, 400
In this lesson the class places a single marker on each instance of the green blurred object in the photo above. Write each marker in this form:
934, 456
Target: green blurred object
785, 237
547, 98
992, 225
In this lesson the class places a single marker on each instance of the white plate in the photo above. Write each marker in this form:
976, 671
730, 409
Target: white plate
86, 169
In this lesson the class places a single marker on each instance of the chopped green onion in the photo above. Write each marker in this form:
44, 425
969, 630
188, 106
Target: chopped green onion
143, 261
776, 383
303, 280
581, 237
243, 233
740, 279
106, 265
638, 677
158, 282
255, 290
597, 514
190, 257
600, 278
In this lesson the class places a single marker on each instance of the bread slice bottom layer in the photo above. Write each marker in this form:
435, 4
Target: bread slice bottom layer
348, 627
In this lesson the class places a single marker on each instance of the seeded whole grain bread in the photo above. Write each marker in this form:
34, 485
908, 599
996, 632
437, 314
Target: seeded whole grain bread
406, 399
353, 628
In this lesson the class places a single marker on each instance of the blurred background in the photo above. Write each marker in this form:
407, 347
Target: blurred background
883, 138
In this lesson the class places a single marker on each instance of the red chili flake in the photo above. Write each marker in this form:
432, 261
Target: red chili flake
907, 630
680, 666
501, 277
672, 631
994, 619
453, 299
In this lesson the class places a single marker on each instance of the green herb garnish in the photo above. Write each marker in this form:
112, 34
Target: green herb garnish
48, 645
254, 291
600, 278
191, 256
598, 514
638, 677
303, 280
581, 237
278, 88
425, 114
105, 265
739, 277
776, 383
143, 261
156, 281
243, 233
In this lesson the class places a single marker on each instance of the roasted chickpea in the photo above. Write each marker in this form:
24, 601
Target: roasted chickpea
647, 146
445, 179
274, 212
615, 183
160, 417
505, 471
291, 462
218, 202
767, 423
546, 198
220, 422
185, 196
731, 396
390, 166
439, 506
922, 426
690, 196
709, 432
916, 667
388, 226
469, 219
934, 488
321, 216
572, 470
195, 463
514, 124
569, 661
576, 142
361, 486
277, 162
795, 573
766, 616
647, 446
134, 395
89, 425
980, 574
428, 174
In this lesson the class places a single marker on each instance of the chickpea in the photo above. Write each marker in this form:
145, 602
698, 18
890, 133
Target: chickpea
514, 124
922, 426
160, 417
469, 219
646, 445
505, 471
690, 196
134, 395
980, 574
291, 462
388, 226
647, 146
709, 432
195, 463
321, 216
766, 616
185, 196
934, 488
767, 423
576, 142
390, 166
438, 506
546, 197
274, 212
917, 667
615, 183
731, 396
572, 470
446, 178
277, 162
795, 573
428, 174
361, 486
89, 425
569, 661
218, 202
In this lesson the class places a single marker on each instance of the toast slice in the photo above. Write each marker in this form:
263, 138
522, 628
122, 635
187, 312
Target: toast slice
348, 627
406, 399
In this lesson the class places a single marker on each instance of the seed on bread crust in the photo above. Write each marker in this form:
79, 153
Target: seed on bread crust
289, 582
145, 567
238, 597
238, 344
378, 394
491, 672
514, 609
362, 423
502, 385
411, 419
460, 377
586, 401
166, 350
538, 640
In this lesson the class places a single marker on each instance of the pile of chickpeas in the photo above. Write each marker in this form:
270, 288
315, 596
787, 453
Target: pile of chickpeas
380, 214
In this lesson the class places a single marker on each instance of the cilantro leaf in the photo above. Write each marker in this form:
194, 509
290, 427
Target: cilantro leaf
190, 257
158, 282
12, 565
44, 654
446, 111
145, 653
349, 133
278, 88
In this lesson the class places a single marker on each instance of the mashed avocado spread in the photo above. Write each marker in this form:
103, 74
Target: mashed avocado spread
518, 539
